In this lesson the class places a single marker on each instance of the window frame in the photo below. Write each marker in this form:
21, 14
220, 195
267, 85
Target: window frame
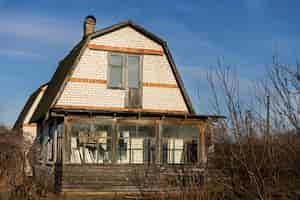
130, 150
124, 85
155, 155
91, 124
187, 139
123, 68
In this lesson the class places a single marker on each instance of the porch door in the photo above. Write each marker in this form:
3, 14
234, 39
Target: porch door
134, 77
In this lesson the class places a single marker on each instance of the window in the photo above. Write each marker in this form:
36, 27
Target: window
116, 71
133, 63
91, 143
180, 144
121, 66
136, 144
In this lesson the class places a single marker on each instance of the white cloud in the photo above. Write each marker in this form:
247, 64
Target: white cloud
38, 27
14, 52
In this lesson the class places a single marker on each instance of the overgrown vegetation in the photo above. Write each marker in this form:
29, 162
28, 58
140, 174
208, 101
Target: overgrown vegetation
257, 148
14, 184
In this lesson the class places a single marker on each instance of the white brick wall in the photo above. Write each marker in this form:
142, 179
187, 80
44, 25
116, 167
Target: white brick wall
156, 69
127, 37
93, 65
163, 98
91, 94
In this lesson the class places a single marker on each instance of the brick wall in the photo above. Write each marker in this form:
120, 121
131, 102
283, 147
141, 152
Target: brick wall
93, 65
127, 37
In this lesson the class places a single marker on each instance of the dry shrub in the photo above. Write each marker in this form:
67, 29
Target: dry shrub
14, 184
157, 182
258, 168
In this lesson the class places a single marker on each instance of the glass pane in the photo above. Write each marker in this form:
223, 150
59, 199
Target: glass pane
115, 79
188, 131
136, 144
116, 60
123, 147
77, 147
180, 143
133, 71
90, 143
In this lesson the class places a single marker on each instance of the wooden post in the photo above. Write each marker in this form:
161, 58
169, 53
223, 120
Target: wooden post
55, 141
66, 141
114, 141
202, 154
158, 130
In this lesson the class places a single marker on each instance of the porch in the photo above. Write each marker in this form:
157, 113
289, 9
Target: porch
126, 152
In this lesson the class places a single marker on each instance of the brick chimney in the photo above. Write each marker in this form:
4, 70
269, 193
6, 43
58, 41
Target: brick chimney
89, 25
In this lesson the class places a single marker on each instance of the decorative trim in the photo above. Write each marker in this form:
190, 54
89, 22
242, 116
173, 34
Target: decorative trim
32, 125
86, 80
100, 81
159, 85
70, 107
125, 49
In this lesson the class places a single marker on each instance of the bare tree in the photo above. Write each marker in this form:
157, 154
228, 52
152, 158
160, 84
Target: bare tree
283, 87
247, 162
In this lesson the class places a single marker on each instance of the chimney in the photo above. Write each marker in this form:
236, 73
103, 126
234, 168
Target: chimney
89, 25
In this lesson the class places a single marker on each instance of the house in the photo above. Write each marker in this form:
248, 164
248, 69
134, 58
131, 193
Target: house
23, 121
116, 103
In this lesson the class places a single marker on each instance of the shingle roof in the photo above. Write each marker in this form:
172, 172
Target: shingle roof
67, 65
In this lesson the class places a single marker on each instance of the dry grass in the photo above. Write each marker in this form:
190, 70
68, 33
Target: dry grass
14, 184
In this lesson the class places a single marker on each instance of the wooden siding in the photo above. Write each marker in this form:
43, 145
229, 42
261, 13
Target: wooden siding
124, 178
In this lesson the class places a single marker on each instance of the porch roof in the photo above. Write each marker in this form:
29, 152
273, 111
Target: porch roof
121, 113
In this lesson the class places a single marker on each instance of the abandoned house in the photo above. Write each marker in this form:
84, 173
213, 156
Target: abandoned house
116, 103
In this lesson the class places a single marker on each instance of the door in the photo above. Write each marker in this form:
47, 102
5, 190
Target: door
134, 80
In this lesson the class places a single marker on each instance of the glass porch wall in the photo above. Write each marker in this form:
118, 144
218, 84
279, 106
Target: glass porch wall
131, 142
180, 144
91, 143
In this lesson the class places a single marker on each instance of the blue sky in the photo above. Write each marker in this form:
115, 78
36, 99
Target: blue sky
35, 36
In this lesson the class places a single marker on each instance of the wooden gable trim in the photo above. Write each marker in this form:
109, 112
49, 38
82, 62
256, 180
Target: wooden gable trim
101, 81
86, 80
159, 85
125, 49
118, 109
32, 125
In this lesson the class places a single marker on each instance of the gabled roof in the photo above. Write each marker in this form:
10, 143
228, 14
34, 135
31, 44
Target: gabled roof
67, 65
29, 103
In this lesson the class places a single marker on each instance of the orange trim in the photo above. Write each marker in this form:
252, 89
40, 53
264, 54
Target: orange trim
85, 80
160, 85
100, 81
125, 49
118, 109
33, 125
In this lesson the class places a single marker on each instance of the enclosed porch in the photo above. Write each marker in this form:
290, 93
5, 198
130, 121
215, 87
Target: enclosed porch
121, 152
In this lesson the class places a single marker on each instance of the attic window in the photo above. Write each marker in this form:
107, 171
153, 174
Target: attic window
115, 79
124, 71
